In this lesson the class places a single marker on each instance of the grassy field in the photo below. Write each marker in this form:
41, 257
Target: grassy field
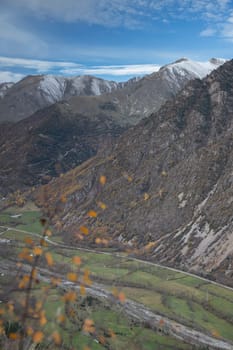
188, 300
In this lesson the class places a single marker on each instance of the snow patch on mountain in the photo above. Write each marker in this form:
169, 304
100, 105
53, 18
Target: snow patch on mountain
53, 87
197, 69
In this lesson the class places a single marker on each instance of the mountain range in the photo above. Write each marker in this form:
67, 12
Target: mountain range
35, 147
169, 192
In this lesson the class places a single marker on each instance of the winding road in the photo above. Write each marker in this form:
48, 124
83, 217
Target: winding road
133, 309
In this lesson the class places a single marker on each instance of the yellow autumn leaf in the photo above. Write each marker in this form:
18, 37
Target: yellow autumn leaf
29, 331
49, 259
76, 260
121, 297
37, 337
98, 240
43, 320
72, 276
146, 196
86, 277
56, 338
48, 232
102, 205
89, 326
37, 251
103, 179
14, 336
92, 214
69, 296
84, 230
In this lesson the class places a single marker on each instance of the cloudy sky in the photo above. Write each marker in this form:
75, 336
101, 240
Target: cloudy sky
114, 39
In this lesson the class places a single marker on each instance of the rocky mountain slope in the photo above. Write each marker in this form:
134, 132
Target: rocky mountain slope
139, 98
4, 87
169, 184
62, 136
36, 92
49, 143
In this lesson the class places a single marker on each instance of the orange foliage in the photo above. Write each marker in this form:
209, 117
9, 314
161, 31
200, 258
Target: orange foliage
37, 251
72, 276
76, 260
84, 230
37, 337
56, 338
49, 259
103, 179
121, 297
86, 277
69, 296
92, 214
88, 326
102, 205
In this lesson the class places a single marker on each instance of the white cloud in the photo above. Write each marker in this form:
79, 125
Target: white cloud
10, 77
227, 31
208, 32
126, 13
72, 68
140, 69
37, 65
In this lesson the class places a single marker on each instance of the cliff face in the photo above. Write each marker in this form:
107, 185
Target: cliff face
169, 181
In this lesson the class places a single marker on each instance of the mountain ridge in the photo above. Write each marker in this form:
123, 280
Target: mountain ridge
169, 182
63, 135
33, 93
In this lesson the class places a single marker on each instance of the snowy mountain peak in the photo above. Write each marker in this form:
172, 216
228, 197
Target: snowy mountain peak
195, 69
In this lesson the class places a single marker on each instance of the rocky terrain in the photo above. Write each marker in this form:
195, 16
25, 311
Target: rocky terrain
50, 143
169, 183
62, 136
4, 87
